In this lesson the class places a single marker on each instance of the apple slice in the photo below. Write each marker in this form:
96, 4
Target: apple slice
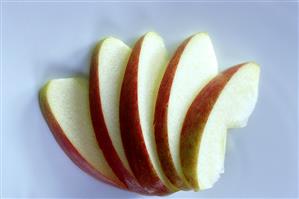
108, 66
191, 67
64, 103
137, 102
226, 102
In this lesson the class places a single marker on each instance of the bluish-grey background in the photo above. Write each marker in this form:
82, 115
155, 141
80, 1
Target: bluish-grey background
51, 40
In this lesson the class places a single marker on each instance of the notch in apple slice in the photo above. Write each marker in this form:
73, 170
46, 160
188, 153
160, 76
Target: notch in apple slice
108, 65
193, 64
225, 102
142, 78
65, 106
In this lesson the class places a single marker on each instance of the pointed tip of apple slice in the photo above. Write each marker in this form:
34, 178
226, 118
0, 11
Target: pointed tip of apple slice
152, 33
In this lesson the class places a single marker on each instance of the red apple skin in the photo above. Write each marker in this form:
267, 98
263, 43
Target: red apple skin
131, 131
195, 120
160, 120
101, 130
69, 148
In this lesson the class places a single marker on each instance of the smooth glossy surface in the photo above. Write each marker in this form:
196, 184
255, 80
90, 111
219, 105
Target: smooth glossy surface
41, 41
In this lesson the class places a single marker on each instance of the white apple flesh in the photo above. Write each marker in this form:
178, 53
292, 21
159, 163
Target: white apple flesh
64, 103
108, 65
225, 102
137, 102
191, 67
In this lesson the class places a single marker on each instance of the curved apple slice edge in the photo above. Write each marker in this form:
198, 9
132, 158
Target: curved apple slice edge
108, 64
193, 64
225, 102
64, 104
138, 95
112, 57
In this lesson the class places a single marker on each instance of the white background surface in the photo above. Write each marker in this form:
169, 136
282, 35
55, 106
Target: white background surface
41, 41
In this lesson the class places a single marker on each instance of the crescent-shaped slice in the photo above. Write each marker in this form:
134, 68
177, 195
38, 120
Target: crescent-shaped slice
225, 102
108, 64
65, 106
143, 74
193, 64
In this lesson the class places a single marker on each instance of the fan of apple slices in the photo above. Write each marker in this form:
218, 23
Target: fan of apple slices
147, 123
